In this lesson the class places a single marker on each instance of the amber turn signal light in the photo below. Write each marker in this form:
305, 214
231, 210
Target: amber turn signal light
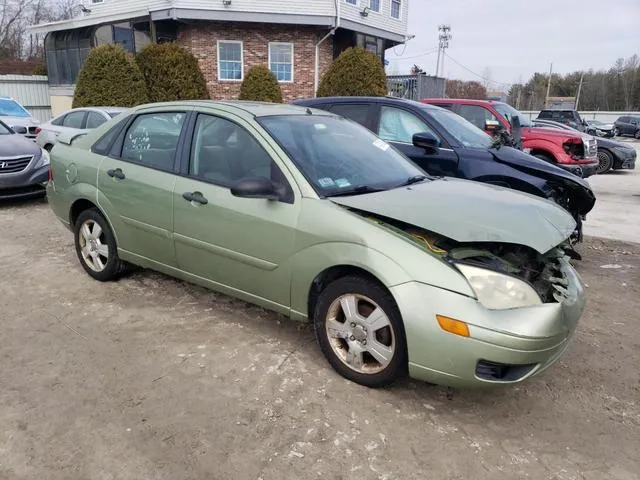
454, 326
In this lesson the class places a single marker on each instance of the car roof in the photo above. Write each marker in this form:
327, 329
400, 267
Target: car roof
365, 99
466, 101
253, 108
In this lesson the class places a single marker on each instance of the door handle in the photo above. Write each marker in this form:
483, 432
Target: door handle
195, 197
117, 173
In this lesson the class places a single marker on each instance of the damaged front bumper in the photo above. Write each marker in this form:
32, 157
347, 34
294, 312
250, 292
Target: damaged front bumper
503, 346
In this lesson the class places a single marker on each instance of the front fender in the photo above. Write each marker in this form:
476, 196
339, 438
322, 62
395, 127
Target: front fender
416, 266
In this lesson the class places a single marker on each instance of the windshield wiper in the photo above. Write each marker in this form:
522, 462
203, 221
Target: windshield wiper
412, 180
360, 189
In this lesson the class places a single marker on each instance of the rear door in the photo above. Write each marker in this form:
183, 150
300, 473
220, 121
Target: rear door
136, 182
397, 126
94, 120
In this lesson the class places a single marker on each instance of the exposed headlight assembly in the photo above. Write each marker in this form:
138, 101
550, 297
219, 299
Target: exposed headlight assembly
497, 291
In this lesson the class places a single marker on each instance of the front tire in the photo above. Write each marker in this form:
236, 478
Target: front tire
544, 157
360, 331
637, 135
605, 160
96, 246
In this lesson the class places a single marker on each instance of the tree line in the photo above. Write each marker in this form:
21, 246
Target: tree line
615, 89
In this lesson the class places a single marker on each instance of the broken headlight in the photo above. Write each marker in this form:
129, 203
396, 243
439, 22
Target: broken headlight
497, 291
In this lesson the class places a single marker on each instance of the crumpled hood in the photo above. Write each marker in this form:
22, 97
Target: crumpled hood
467, 211
14, 145
583, 197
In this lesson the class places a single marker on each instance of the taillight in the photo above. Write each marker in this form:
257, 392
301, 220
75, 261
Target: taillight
38, 130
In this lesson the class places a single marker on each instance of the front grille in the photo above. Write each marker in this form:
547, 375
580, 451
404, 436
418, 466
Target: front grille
14, 164
592, 148
502, 372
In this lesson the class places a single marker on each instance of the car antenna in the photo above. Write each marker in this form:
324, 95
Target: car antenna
309, 112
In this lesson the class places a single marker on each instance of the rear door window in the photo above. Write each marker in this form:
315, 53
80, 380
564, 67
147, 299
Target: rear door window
94, 120
152, 139
358, 112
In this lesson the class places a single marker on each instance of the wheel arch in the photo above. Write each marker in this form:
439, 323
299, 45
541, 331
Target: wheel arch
82, 204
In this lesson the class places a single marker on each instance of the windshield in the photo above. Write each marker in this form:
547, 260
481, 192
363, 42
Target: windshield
462, 130
4, 130
338, 156
508, 112
11, 108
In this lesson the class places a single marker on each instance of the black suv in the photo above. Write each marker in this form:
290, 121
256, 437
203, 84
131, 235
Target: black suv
627, 125
569, 117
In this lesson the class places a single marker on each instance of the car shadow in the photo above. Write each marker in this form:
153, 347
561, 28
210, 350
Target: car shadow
22, 202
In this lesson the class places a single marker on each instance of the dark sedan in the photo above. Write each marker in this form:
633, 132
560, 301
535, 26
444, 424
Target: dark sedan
443, 143
612, 155
24, 166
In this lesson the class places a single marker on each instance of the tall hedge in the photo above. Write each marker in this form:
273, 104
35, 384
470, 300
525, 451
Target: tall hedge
109, 77
171, 72
260, 84
355, 72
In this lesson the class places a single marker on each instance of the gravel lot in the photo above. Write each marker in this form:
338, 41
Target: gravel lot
151, 378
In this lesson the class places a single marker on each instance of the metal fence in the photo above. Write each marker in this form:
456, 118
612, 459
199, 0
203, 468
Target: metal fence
415, 87
32, 91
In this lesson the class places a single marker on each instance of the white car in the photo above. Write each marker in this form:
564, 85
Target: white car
77, 120
17, 117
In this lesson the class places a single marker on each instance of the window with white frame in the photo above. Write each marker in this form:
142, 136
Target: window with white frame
374, 5
230, 60
396, 8
281, 61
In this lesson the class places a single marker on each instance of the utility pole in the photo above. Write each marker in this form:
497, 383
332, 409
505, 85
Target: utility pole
518, 97
579, 90
546, 100
444, 35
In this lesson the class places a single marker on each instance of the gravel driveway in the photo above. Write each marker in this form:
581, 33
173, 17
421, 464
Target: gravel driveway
151, 378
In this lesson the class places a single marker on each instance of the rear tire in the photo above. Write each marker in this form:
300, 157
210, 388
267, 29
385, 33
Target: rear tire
96, 247
605, 160
360, 331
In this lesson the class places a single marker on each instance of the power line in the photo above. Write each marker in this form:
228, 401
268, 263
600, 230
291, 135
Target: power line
488, 80
417, 55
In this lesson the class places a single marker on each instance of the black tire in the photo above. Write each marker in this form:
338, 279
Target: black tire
637, 134
393, 334
605, 160
113, 266
545, 157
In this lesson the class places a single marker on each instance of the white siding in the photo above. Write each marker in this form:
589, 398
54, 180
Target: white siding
382, 20
293, 7
110, 7
31, 91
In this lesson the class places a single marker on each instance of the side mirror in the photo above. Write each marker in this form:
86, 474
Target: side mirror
256, 187
20, 130
426, 140
492, 125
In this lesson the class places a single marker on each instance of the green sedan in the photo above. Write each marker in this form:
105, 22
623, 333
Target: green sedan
311, 215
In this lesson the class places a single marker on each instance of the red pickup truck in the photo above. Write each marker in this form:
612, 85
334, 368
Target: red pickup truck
575, 152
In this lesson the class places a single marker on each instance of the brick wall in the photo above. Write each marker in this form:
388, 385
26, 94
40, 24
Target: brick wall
202, 39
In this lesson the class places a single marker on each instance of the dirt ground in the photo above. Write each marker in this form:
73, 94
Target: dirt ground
151, 378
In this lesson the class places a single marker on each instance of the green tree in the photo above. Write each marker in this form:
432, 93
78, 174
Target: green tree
109, 77
355, 72
40, 70
260, 84
171, 72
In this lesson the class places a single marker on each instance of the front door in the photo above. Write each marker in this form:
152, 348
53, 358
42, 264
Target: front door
242, 244
397, 126
136, 185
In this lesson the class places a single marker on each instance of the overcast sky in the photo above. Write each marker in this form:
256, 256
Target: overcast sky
516, 38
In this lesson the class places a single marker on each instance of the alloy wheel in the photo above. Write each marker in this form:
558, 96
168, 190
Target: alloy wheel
360, 333
93, 246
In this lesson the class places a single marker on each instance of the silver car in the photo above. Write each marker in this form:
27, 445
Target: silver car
77, 120
17, 117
